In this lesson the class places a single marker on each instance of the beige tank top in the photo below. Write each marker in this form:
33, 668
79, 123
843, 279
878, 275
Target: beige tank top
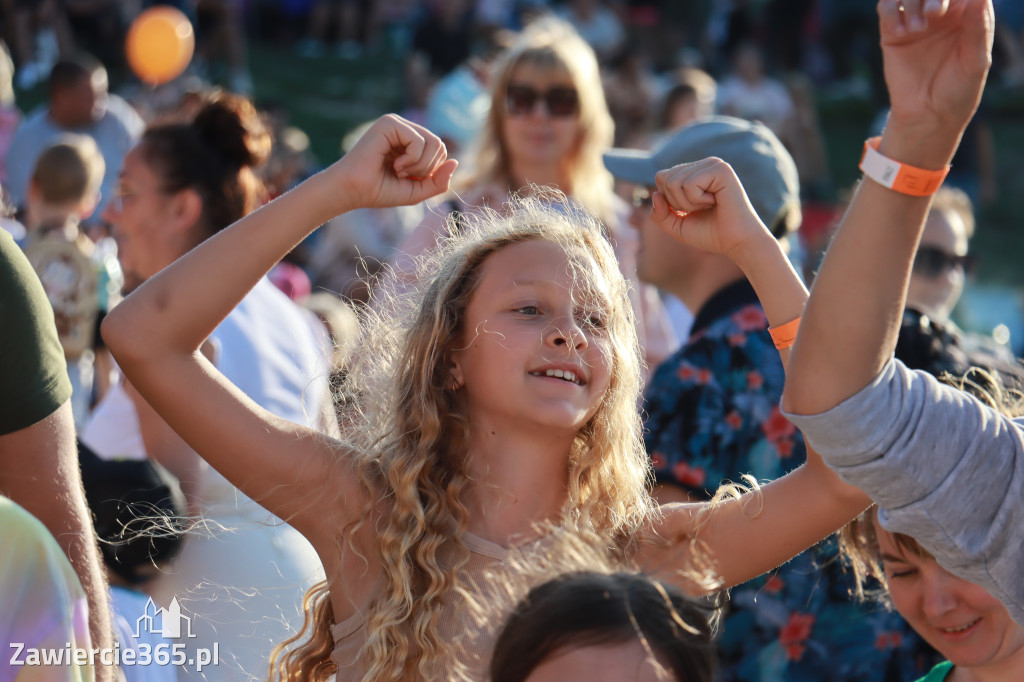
488, 561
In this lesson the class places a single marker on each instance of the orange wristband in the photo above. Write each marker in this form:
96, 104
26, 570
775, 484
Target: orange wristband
784, 335
899, 177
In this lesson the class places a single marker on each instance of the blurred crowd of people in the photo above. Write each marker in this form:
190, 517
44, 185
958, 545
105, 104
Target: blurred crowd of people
105, 191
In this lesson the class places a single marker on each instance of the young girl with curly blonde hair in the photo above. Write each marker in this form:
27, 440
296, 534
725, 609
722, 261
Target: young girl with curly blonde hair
499, 398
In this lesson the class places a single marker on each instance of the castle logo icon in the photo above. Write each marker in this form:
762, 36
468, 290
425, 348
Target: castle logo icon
167, 622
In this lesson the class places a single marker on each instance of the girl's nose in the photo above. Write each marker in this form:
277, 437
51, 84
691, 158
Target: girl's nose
567, 332
939, 594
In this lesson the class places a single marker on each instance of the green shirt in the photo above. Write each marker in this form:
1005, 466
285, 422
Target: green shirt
938, 673
33, 375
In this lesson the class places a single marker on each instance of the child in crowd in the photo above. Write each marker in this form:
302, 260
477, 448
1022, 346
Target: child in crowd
500, 396
548, 125
63, 190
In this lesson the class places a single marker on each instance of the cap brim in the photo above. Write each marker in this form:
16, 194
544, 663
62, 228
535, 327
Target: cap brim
631, 165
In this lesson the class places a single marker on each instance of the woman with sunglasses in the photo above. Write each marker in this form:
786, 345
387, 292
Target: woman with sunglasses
941, 262
937, 278
548, 125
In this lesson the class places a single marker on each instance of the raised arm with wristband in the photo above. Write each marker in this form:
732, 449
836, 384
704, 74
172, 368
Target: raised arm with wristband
943, 468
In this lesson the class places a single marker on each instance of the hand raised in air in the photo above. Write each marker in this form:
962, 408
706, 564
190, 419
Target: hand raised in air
394, 163
703, 204
937, 54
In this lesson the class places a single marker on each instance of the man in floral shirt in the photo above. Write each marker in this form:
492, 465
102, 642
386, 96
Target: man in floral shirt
712, 414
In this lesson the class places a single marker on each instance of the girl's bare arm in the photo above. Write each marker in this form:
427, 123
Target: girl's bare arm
741, 538
156, 333
935, 76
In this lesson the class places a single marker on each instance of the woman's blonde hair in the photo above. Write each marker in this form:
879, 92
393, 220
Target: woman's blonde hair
411, 429
552, 44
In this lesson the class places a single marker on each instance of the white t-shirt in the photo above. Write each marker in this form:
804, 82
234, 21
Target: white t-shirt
273, 351
268, 347
112, 431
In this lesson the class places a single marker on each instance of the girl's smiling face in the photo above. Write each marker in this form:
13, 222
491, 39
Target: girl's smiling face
960, 619
533, 350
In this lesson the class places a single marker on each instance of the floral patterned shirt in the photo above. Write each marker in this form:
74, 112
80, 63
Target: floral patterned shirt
712, 414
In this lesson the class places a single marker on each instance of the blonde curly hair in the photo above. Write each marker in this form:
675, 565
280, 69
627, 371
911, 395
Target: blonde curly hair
411, 432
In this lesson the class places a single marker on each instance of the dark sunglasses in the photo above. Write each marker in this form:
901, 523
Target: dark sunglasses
642, 198
520, 100
932, 262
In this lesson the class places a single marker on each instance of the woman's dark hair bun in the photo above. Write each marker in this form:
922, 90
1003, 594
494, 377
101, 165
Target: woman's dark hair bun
231, 125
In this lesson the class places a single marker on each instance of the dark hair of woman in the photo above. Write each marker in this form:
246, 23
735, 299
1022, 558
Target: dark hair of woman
592, 609
214, 155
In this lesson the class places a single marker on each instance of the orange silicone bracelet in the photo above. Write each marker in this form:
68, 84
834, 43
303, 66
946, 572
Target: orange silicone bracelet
899, 177
784, 335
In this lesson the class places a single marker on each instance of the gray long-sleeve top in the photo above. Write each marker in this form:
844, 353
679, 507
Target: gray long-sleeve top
941, 466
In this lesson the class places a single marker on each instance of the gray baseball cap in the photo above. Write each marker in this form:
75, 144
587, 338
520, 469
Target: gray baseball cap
760, 160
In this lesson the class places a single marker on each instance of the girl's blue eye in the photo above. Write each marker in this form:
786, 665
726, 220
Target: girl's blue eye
596, 321
528, 310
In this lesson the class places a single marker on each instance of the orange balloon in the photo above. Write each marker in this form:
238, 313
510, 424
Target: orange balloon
160, 44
